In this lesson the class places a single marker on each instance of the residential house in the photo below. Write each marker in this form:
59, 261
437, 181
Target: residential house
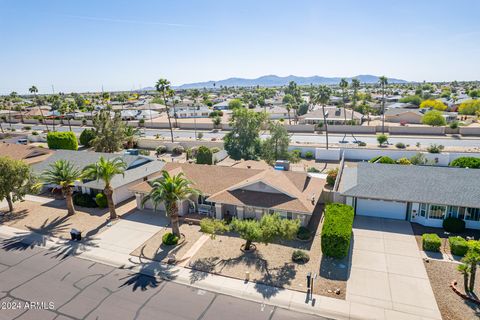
189, 112
243, 192
421, 194
334, 116
403, 115
139, 168
29, 154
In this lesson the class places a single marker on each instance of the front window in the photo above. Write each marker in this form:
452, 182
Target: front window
452, 211
472, 214
436, 212
423, 209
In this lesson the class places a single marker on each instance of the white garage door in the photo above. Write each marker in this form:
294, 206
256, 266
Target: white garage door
383, 209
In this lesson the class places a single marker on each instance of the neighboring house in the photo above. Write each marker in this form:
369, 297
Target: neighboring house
276, 113
398, 115
189, 112
421, 194
244, 193
401, 105
334, 116
223, 105
29, 154
139, 168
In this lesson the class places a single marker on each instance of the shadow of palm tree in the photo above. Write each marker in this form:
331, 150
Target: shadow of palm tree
274, 280
72, 248
202, 268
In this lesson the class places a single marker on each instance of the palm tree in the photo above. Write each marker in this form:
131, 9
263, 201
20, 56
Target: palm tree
323, 97
163, 87
34, 91
105, 170
170, 190
195, 94
343, 86
64, 174
383, 83
355, 87
131, 134
464, 269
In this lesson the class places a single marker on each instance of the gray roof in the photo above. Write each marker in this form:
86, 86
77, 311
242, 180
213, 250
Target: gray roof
424, 184
397, 111
138, 167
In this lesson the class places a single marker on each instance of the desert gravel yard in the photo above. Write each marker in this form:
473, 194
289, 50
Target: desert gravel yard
153, 248
51, 218
272, 264
451, 306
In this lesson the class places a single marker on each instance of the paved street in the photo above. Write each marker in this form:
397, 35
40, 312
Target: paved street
64, 287
447, 141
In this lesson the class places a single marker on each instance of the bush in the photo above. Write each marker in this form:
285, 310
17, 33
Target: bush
332, 176
435, 148
382, 159
303, 233
34, 133
62, 140
101, 200
362, 144
300, 256
382, 138
87, 136
400, 145
313, 170
454, 125
404, 161
431, 242
204, 155
84, 200
178, 150
309, 155
160, 150
169, 239
27, 128
337, 230
434, 118
452, 224
374, 159
143, 152
458, 246
466, 162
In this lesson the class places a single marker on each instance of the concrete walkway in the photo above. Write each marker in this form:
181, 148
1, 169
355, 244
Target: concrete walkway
387, 270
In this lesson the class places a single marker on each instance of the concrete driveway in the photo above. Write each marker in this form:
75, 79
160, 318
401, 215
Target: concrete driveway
387, 270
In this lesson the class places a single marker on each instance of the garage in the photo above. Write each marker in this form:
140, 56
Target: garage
381, 209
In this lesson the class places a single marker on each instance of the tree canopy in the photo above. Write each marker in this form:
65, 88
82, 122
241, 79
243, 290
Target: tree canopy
110, 133
434, 118
16, 180
276, 146
434, 104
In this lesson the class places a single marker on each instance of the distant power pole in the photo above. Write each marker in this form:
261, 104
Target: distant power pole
53, 89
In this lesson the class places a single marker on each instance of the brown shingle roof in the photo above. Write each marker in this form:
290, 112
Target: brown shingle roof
30, 154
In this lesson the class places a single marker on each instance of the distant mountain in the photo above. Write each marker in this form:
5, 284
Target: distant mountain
274, 81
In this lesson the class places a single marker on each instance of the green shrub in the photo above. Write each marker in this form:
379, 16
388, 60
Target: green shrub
169, 239
204, 155
454, 125
332, 176
309, 155
435, 148
400, 145
313, 170
178, 150
27, 128
362, 144
300, 256
34, 133
452, 224
431, 242
143, 152
458, 246
62, 140
374, 159
303, 233
84, 200
215, 150
87, 136
337, 230
101, 200
383, 159
160, 150
404, 161
466, 162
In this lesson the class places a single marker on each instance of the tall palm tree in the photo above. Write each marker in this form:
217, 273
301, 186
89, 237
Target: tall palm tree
131, 134
343, 87
163, 87
64, 174
323, 97
383, 83
195, 94
170, 190
106, 170
34, 90
355, 87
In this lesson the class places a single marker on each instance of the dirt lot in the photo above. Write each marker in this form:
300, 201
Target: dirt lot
272, 264
51, 218
450, 304
153, 248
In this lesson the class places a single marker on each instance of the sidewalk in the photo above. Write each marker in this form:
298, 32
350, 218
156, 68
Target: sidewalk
290, 299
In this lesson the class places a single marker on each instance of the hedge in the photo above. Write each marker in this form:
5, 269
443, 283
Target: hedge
431, 242
204, 155
87, 136
458, 246
455, 225
337, 230
84, 200
62, 140
466, 162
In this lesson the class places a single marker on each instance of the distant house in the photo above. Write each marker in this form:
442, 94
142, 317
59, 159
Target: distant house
244, 192
223, 105
139, 168
413, 193
276, 113
333, 115
398, 115
189, 112
29, 154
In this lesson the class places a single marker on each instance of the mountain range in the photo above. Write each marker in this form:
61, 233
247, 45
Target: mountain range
275, 81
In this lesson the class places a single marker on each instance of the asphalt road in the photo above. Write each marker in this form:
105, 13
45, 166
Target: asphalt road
46, 284
447, 141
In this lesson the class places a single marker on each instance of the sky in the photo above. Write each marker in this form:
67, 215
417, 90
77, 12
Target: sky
82, 45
